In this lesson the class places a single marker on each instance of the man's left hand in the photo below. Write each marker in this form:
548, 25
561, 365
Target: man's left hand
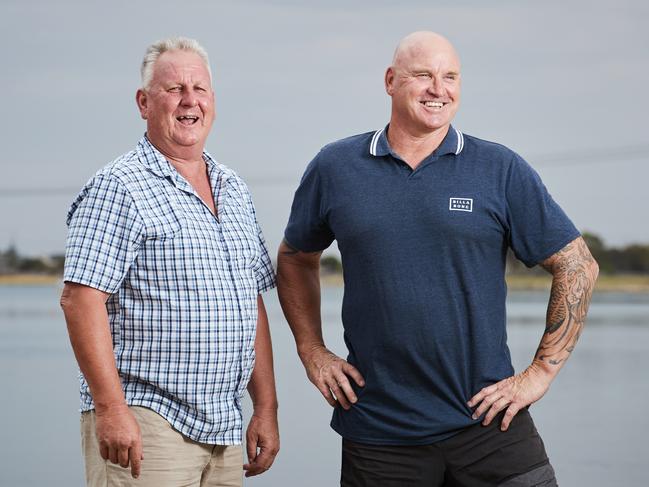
513, 393
262, 442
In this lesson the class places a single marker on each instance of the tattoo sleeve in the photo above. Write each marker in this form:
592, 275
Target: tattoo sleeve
574, 273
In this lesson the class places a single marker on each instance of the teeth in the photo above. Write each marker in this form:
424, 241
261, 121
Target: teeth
187, 117
434, 104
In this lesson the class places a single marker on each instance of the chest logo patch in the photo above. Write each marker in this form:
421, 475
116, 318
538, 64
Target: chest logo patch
460, 204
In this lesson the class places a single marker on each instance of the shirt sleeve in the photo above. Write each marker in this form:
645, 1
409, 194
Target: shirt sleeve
104, 235
264, 269
307, 229
538, 227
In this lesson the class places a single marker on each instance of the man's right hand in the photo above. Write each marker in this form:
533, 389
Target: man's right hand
118, 434
329, 373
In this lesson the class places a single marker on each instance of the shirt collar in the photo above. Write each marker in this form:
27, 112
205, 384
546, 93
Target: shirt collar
453, 143
158, 164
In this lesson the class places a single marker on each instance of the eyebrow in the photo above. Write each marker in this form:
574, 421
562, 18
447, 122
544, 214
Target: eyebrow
421, 69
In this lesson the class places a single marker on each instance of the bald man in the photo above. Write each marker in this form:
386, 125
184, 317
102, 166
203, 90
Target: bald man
423, 216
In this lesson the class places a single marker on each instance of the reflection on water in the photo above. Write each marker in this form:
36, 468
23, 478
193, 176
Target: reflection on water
593, 419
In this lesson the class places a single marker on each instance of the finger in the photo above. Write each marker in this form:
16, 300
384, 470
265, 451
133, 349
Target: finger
266, 458
352, 371
135, 457
112, 455
252, 469
340, 395
122, 457
324, 390
485, 405
497, 406
485, 391
345, 385
512, 411
251, 449
103, 451
262, 463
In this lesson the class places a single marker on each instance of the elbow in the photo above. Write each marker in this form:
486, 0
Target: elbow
66, 298
594, 269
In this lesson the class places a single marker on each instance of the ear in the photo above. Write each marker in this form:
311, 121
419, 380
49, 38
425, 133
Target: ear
389, 81
142, 103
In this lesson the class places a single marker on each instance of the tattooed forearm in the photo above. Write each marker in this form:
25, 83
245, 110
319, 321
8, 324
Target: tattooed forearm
574, 273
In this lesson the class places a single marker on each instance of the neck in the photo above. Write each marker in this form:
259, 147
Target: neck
182, 158
414, 147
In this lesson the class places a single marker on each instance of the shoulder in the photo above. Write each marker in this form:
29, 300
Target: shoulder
347, 149
493, 154
126, 170
113, 182
476, 145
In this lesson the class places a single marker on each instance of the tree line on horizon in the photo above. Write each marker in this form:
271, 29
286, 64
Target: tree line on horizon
630, 259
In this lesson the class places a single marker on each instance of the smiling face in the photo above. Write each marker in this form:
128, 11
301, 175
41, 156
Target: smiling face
178, 104
424, 83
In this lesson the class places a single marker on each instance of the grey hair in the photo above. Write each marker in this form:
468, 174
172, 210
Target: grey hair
155, 50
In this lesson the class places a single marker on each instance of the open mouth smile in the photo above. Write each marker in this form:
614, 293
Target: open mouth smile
187, 119
433, 104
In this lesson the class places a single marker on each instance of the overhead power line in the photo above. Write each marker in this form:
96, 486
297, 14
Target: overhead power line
611, 155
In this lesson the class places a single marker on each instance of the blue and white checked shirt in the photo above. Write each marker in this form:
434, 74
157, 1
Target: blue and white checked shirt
183, 285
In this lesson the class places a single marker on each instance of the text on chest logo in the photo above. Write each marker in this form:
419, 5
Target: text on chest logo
460, 204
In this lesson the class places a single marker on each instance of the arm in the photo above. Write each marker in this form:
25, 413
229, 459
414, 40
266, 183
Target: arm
118, 432
298, 286
262, 432
574, 272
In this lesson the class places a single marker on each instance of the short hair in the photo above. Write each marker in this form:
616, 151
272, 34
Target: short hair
155, 50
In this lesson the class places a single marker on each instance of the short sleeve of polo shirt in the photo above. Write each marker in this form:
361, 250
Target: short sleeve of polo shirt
104, 234
538, 227
307, 228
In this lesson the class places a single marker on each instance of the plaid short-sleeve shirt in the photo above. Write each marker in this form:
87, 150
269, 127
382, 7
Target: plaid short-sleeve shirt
183, 286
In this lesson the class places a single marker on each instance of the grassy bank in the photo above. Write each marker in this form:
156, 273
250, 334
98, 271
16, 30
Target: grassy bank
612, 283
605, 283
28, 279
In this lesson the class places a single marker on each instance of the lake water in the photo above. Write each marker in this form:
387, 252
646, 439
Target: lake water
593, 420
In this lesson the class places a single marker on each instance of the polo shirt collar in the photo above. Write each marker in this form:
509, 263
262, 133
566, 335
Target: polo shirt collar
453, 143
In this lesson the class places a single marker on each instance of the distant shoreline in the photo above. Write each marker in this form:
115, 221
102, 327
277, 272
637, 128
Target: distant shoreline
622, 283
614, 283
29, 279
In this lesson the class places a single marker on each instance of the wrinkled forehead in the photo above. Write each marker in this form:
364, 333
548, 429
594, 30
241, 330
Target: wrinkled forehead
438, 55
180, 64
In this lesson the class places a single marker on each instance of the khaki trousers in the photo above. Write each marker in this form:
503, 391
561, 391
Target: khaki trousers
170, 459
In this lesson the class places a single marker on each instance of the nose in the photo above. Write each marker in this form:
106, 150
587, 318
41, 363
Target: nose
436, 86
189, 98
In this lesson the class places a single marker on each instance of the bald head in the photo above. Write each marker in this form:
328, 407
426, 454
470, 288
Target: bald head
419, 43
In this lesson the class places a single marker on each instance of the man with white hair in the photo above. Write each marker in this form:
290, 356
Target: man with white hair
165, 265
423, 216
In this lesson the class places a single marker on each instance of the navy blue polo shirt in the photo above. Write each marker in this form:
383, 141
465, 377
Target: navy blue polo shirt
423, 254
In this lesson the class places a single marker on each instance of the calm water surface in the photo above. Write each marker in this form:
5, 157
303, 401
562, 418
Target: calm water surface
594, 419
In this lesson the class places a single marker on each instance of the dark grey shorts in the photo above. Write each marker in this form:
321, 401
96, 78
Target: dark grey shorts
476, 457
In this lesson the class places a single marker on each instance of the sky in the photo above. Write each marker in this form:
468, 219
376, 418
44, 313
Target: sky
564, 84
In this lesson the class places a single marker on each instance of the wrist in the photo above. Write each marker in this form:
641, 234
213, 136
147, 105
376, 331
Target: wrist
307, 350
543, 371
110, 406
265, 410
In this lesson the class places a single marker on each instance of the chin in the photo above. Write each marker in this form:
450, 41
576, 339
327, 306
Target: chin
187, 140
